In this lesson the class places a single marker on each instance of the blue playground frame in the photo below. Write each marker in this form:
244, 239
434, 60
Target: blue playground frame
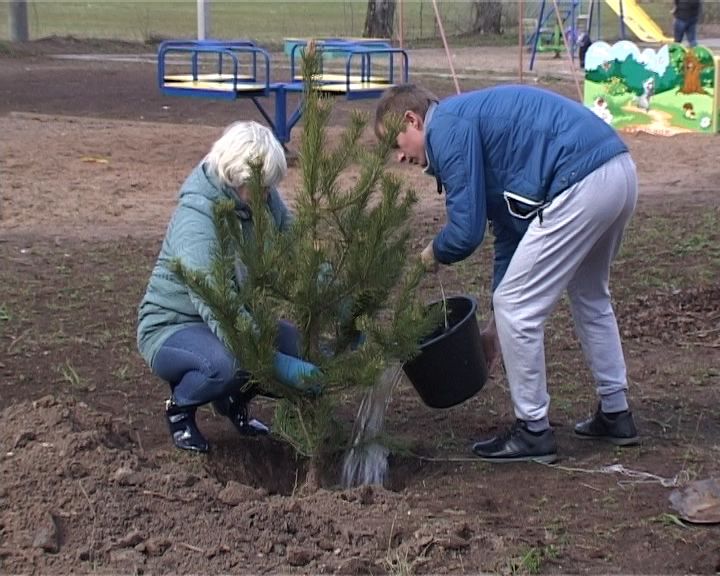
547, 21
570, 16
241, 69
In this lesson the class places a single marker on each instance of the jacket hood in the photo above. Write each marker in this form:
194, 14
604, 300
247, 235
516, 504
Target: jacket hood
204, 183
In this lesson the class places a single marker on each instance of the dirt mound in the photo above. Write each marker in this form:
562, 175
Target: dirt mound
78, 492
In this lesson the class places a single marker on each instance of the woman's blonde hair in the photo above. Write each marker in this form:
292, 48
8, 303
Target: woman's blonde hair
241, 144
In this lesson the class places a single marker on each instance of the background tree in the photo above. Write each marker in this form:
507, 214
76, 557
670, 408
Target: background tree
341, 270
487, 17
379, 19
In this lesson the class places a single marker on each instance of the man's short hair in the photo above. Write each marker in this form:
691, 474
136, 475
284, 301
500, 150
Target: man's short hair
399, 99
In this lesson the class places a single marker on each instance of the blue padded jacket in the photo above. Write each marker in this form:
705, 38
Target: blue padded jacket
527, 142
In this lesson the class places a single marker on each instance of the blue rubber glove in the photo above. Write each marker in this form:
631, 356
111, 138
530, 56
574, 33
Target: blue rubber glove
292, 371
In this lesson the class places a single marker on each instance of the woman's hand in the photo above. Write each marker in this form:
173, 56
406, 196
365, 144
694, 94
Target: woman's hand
296, 373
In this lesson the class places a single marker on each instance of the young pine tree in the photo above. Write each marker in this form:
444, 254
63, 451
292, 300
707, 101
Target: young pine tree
340, 274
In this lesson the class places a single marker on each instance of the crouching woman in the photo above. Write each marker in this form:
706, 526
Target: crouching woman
177, 334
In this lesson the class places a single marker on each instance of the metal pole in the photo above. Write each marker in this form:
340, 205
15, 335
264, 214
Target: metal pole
521, 39
598, 22
18, 21
400, 22
567, 50
203, 19
590, 19
536, 36
573, 28
445, 43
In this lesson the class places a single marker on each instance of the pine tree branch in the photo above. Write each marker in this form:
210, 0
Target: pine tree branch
342, 267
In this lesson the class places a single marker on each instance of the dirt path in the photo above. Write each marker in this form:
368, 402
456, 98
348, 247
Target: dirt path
660, 125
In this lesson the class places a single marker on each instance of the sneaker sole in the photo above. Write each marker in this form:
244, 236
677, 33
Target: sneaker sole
611, 439
193, 449
546, 459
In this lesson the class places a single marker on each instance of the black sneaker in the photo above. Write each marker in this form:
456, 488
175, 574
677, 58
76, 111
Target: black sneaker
518, 444
234, 407
617, 428
183, 429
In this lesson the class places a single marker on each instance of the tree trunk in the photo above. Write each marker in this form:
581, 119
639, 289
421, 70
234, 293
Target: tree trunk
487, 17
380, 19
312, 481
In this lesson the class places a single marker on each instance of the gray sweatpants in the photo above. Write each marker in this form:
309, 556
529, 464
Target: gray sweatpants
570, 249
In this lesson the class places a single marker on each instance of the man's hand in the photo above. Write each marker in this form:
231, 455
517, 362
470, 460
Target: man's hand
427, 257
491, 345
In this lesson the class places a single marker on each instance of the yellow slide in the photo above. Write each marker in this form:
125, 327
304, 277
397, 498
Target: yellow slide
638, 21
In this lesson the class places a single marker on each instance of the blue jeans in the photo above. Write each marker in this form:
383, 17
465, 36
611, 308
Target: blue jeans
686, 28
200, 369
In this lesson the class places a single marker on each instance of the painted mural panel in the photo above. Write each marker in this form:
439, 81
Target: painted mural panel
671, 90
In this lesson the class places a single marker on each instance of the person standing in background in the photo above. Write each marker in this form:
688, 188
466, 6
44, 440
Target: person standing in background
686, 15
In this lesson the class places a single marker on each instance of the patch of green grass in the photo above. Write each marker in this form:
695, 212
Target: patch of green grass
609, 501
270, 23
273, 21
261, 21
532, 559
5, 318
399, 562
667, 519
701, 238
564, 405
656, 244
70, 375
540, 504
122, 372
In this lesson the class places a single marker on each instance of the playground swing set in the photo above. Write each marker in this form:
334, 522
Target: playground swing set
574, 18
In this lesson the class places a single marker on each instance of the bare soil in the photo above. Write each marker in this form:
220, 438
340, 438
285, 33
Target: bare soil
92, 157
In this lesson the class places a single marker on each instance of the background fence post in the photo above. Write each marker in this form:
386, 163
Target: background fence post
203, 19
18, 21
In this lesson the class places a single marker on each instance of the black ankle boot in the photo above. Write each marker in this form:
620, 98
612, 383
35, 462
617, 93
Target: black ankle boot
234, 407
183, 429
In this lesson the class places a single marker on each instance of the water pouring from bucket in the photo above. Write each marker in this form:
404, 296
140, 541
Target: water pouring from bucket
366, 461
449, 369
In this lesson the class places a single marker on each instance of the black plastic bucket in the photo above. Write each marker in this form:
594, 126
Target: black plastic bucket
451, 366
